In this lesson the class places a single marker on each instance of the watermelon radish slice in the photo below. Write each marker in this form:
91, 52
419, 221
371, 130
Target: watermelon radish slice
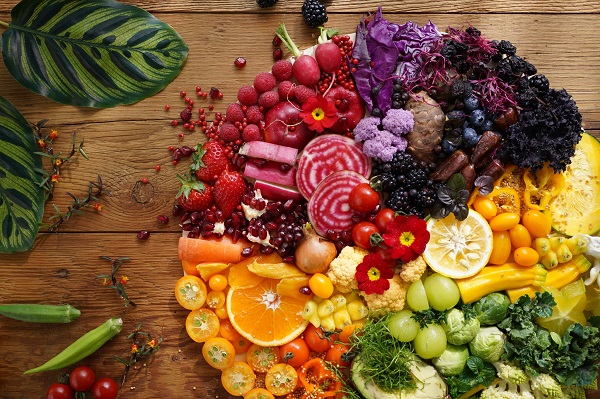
269, 151
328, 207
276, 192
325, 155
270, 171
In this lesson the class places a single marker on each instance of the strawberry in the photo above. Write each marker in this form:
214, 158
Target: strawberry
193, 195
229, 189
210, 161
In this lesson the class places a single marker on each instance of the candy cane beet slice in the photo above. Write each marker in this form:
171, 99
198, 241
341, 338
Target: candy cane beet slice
325, 155
328, 207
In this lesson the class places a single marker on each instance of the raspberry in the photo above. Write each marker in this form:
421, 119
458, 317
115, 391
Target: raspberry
252, 133
264, 82
234, 113
282, 70
303, 93
268, 99
286, 90
247, 95
228, 132
254, 115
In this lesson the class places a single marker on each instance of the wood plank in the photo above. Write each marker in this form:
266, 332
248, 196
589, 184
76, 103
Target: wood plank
545, 40
361, 6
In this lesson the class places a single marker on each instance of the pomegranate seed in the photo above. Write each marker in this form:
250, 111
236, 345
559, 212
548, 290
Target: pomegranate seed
174, 123
177, 210
305, 290
143, 234
182, 93
163, 219
184, 216
144, 180
167, 107
211, 107
240, 62
181, 136
186, 151
277, 54
198, 88
246, 252
214, 93
186, 227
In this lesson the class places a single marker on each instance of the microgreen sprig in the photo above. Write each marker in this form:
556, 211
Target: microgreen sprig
429, 316
111, 281
143, 346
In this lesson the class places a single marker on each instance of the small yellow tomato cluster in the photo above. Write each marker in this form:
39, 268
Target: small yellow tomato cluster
335, 312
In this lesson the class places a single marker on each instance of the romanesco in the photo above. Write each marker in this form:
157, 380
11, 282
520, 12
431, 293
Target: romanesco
342, 270
392, 299
501, 389
573, 392
510, 373
546, 385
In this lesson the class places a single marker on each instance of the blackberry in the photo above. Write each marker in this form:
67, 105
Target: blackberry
506, 47
266, 3
402, 162
416, 178
388, 182
540, 82
399, 201
461, 88
426, 197
314, 13
517, 64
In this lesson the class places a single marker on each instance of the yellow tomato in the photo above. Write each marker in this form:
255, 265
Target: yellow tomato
485, 207
320, 285
500, 248
520, 236
504, 221
526, 256
538, 224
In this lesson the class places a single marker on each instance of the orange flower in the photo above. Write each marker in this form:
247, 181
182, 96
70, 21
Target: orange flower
97, 207
53, 134
41, 143
58, 162
124, 280
318, 113
134, 348
54, 178
152, 343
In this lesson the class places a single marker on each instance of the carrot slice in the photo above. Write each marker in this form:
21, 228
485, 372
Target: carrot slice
210, 250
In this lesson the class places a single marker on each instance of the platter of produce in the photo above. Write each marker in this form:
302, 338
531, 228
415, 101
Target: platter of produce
403, 212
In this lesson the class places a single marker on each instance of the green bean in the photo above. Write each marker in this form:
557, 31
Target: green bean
39, 313
83, 347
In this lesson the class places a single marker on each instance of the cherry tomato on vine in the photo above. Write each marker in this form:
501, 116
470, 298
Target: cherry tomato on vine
337, 355
60, 391
383, 217
105, 388
363, 198
361, 234
82, 378
294, 353
318, 340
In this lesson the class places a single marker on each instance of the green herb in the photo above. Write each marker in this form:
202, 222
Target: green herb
111, 280
386, 360
476, 372
429, 316
143, 346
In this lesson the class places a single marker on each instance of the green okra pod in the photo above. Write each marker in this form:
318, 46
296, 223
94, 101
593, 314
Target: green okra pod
40, 313
83, 347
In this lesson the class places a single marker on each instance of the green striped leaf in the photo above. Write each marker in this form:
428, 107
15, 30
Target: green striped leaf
93, 53
21, 191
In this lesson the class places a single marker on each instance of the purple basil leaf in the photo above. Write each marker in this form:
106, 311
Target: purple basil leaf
456, 182
439, 211
485, 184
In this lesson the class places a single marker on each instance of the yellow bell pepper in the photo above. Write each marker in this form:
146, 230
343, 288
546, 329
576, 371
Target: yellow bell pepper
499, 278
541, 186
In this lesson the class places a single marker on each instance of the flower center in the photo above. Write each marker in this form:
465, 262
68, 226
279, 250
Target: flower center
407, 238
318, 114
374, 274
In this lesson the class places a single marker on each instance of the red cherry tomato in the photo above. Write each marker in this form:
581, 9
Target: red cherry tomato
318, 340
383, 217
363, 198
361, 234
105, 388
337, 355
294, 353
60, 391
82, 378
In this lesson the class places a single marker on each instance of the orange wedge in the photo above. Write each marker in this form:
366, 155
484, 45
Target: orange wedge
209, 269
263, 316
275, 270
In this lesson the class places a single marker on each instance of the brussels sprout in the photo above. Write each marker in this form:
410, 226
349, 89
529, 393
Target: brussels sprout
458, 330
488, 344
491, 309
452, 361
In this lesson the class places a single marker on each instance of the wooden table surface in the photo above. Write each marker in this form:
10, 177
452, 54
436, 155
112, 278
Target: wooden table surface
125, 144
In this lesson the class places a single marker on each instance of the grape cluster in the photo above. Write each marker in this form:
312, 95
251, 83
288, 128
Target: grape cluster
407, 183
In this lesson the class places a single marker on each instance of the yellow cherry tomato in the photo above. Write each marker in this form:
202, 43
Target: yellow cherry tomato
537, 223
320, 285
485, 207
520, 236
222, 313
500, 248
526, 256
215, 299
504, 221
218, 282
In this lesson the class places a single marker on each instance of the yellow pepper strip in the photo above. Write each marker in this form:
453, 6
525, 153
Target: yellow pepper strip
541, 186
499, 278
561, 275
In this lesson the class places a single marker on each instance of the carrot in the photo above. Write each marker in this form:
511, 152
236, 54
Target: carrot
210, 250
189, 267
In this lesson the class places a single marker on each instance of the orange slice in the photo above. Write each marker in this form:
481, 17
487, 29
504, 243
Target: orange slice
275, 270
263, 316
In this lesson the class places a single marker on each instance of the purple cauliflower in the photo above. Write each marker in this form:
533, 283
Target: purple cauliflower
367, 128
398, 121
384, 146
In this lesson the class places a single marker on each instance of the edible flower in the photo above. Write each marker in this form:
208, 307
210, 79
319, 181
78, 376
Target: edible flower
318, 113
134, 348
373, 274
407, 237
54, 178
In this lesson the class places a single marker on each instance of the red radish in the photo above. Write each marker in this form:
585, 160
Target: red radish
271, 171
276, 192
306, 70
269, 151
328, 57
325, 155
350, 108
284, 126
328, 208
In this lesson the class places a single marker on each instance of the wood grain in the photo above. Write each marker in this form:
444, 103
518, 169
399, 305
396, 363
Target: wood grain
125, 144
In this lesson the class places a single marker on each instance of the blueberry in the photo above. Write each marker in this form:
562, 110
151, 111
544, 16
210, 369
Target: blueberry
471, 103
487, 125
477, 118
448, 147
470, 137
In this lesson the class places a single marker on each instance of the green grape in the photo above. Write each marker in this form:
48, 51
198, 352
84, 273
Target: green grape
430, 342
416, 297
402, 326
442, 292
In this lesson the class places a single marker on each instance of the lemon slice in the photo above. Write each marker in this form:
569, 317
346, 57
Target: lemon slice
458, 249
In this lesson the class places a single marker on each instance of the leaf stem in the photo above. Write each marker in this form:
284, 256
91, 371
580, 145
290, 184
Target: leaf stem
2, 23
